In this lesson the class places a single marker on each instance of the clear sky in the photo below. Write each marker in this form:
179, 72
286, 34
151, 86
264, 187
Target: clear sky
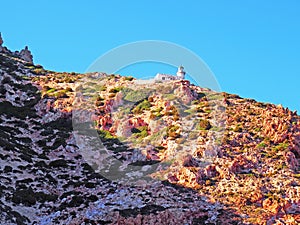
252, 46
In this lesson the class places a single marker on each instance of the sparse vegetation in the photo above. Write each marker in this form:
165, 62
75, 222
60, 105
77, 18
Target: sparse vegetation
115, 90
130, 78
261, 145
172, 131
204, 125
105, 134
136, 95
140, 132
171, 111
144, 105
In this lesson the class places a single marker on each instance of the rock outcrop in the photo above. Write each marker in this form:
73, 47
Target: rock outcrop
1, 42
26, 55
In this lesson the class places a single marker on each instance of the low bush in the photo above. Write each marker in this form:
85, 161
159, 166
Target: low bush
172, 131
130, 78
136, 95
172, 111
144, 105
61, 94
204, 125
115, 90
105, 134
140, 132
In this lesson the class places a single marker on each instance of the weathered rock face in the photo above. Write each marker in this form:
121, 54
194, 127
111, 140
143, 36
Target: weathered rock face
240, 166
184, 92
26, 55
45, 178
123, 129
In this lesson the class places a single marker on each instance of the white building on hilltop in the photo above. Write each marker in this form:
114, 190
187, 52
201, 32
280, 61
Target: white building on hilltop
180, 75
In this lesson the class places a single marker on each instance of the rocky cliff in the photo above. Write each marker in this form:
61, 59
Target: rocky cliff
106, 149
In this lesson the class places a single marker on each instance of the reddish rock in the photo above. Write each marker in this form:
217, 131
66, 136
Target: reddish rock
210, 171
291, 160
240, 164
189, 161
271, 205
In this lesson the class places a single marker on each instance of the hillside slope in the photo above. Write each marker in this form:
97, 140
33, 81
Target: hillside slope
106, 149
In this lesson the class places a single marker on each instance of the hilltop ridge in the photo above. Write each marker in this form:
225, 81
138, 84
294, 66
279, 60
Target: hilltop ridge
103, 149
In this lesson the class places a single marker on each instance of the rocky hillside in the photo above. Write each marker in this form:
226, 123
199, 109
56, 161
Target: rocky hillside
106, 149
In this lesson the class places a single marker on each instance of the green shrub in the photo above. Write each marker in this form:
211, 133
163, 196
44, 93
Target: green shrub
68, 89
88, 90
136, 95
101, 88
115, 90
204, 125
46, 88
157, 112
261, 145
111, 76
140, 132
257, 129
112, 95
39, 71
61, 94
190, 111
130, 78
144, 105
216, 96
281, 147
172, 131
105, 134
172, 111
99, 98
238, 128
99, 101
170, 97
51, 90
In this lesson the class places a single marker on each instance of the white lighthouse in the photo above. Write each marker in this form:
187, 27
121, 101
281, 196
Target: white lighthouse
180, 73
160, 77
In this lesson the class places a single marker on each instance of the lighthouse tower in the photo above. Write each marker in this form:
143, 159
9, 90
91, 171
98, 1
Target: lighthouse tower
180, 73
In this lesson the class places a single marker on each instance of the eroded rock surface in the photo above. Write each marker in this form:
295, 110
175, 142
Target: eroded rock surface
220, 159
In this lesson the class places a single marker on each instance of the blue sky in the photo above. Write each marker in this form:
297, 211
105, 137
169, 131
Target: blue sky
252, 47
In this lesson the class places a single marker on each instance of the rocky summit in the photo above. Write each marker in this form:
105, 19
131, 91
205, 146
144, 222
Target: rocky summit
101, 148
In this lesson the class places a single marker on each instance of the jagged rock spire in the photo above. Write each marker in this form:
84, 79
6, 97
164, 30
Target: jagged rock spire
1, 40
26, 55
